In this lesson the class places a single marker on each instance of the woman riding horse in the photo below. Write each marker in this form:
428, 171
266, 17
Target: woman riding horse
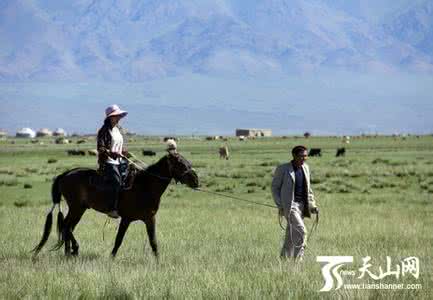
110, 150
140, 202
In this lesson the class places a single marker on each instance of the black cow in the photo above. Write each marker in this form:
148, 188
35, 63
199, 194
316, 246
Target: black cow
340, 152
76, 152
315, 152
148, 153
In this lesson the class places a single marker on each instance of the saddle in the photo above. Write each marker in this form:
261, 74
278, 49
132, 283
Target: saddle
127, 173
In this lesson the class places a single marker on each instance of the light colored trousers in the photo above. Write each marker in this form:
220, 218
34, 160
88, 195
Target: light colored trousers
294, 241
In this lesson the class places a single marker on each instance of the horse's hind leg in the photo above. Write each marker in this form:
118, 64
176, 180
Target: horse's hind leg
75, 245
71, 220
75, 221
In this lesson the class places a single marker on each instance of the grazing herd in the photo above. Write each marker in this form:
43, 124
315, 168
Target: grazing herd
223, 151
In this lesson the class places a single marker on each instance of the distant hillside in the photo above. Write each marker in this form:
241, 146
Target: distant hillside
143, 39
414, 26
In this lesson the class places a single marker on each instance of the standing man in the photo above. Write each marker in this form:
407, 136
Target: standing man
293, 195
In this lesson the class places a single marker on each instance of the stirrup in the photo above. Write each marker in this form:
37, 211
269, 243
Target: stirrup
113, 214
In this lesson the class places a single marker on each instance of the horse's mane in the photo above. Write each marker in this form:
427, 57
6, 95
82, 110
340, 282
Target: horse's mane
152, 169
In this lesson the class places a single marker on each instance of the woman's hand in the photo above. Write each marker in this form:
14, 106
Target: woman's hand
115, 155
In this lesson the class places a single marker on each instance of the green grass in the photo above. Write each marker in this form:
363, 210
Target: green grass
377, 201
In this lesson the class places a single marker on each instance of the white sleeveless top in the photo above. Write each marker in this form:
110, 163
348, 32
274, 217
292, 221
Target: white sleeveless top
116, 145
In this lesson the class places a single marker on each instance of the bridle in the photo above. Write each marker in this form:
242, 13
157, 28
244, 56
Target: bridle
170, 169
171, 172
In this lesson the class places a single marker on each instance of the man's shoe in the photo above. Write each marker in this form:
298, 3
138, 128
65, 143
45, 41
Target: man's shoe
299, 259
113, 214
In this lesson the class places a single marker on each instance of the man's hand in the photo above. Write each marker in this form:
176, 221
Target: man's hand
281, 212
315, 210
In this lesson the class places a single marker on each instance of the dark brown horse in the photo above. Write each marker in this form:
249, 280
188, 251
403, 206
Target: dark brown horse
140, 202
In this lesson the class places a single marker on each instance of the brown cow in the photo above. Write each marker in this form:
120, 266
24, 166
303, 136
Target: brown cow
224, 152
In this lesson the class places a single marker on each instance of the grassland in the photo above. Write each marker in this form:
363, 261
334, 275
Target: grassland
377, 201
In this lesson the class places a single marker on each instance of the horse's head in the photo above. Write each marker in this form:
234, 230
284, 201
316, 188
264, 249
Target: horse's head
181, 170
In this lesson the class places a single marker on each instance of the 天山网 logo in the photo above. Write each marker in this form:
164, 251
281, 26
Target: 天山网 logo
332, 274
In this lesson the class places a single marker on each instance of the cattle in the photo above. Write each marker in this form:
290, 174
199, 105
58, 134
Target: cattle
92, 152
224, 152
81, 141
76, 152
340, 152
61, 140
148, 153
315, 152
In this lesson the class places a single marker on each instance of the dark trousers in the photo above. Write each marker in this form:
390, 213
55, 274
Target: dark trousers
113, 180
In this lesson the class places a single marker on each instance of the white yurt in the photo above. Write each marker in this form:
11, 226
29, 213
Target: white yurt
26, 133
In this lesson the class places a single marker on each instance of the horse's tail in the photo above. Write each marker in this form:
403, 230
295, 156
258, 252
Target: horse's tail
56, 197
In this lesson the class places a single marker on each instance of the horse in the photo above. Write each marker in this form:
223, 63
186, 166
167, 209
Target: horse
139, 202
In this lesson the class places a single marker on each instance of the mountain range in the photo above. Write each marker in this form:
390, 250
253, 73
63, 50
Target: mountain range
140, 39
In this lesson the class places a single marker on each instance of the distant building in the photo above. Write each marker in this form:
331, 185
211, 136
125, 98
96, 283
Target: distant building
44, 132
253, 132
26, 133
59, 132
3, 133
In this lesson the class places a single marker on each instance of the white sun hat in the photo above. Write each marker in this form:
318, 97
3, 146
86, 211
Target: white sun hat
114, 110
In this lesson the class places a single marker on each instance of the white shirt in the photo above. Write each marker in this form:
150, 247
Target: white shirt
116, 145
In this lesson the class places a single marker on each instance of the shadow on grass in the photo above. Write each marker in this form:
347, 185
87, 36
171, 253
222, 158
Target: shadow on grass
87, 257
110, 292
60, 257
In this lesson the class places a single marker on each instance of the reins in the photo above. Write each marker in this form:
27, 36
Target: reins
143, 167
235, 198
312, 229
313, 226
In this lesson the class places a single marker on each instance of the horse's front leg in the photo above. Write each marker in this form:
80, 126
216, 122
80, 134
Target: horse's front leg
151, 233
124, 223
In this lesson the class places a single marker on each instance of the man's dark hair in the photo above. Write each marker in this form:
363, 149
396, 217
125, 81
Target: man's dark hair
298, 149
